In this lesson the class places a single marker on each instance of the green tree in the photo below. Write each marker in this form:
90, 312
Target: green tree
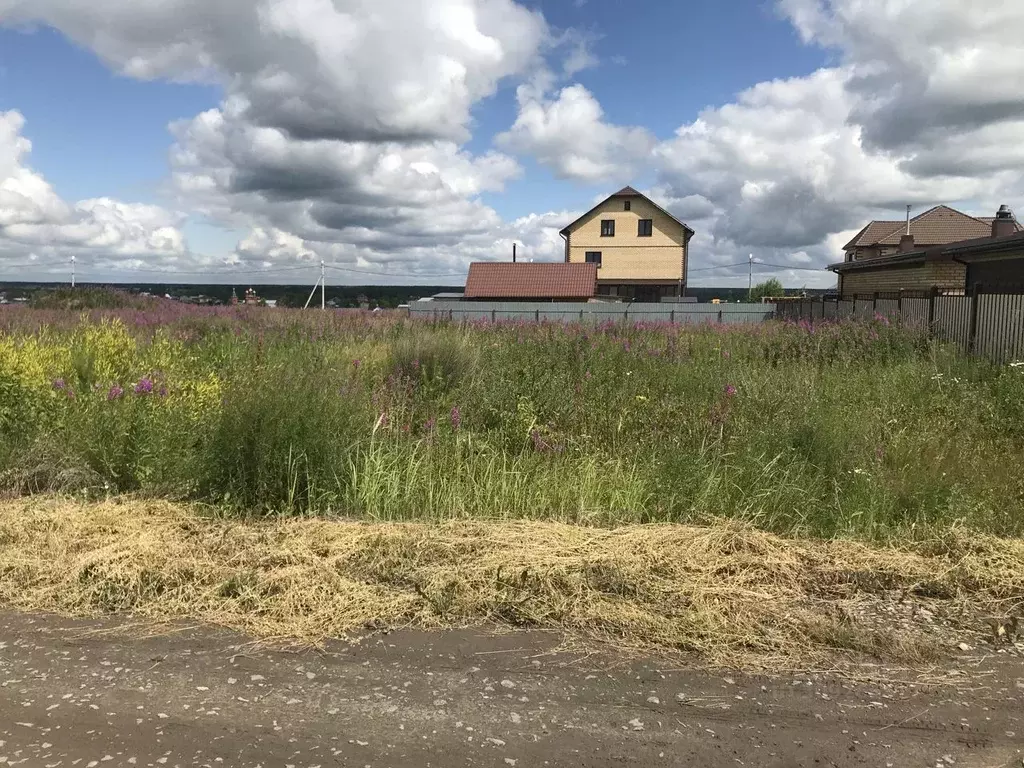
770, 287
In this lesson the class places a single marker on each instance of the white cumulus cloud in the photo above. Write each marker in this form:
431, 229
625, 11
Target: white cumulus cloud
37, 227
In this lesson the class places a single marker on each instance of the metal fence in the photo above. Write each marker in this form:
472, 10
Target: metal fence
984, 321
591, 312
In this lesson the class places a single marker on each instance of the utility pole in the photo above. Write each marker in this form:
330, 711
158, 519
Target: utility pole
323, 287
750, 276
72, 270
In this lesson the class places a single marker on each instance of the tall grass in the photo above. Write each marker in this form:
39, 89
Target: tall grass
853, 429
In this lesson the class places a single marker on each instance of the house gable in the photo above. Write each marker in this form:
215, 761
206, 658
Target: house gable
623, 195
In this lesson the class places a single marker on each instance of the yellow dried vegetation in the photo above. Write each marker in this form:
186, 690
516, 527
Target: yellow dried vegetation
727, 593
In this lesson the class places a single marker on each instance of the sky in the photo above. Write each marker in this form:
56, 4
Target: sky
398, 140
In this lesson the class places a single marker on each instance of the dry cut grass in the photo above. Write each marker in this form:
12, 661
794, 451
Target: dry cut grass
728, 593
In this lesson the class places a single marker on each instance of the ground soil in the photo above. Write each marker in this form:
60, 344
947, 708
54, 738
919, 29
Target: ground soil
92, 693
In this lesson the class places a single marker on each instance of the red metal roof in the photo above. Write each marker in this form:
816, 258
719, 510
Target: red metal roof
549, 280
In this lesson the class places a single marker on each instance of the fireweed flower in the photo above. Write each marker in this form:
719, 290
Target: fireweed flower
144, 387
456, 417
114, 392
58, 384
730, 390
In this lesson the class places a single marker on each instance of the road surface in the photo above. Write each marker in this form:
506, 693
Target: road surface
98, 694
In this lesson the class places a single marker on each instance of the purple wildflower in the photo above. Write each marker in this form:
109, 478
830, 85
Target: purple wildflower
144, 387
456, 417
58, 384
431, 424
356, 364
114, 392
726, 354
730, 390
162, 392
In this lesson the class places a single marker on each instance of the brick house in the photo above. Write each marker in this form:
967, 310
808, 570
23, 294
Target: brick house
640, 249
993, 257
940, 225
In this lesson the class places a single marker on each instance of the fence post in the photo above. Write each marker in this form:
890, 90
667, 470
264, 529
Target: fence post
972, 332
931, 308
719, 315
672, 317
899, 306
536, 315
494, 315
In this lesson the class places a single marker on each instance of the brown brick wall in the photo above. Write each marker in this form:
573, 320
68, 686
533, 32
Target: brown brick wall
942, 274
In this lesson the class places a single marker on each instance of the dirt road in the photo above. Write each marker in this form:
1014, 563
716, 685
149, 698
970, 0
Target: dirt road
97, 694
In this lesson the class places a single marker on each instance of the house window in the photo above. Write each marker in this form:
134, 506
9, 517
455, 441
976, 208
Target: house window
607, 228
593, 257
625, 205
646, 228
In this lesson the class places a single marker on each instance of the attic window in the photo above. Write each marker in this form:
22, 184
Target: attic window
608, 228
625, 205
645, 228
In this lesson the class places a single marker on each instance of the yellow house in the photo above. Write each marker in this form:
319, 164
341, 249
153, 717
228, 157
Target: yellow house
640, 248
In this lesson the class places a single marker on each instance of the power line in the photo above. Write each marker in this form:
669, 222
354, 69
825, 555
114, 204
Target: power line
216, 272
789, 266
396, 274
758, 264
720, 266
33, 264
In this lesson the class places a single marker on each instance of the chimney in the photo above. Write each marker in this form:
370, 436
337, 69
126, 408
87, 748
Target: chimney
513, 253
1004, 223
906, 243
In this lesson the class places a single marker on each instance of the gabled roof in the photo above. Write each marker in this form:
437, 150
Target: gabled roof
962, 250
941, 225
872, 233
627, 192
538, 280
936, 226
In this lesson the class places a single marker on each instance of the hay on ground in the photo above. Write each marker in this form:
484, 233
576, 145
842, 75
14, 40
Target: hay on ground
726, 592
